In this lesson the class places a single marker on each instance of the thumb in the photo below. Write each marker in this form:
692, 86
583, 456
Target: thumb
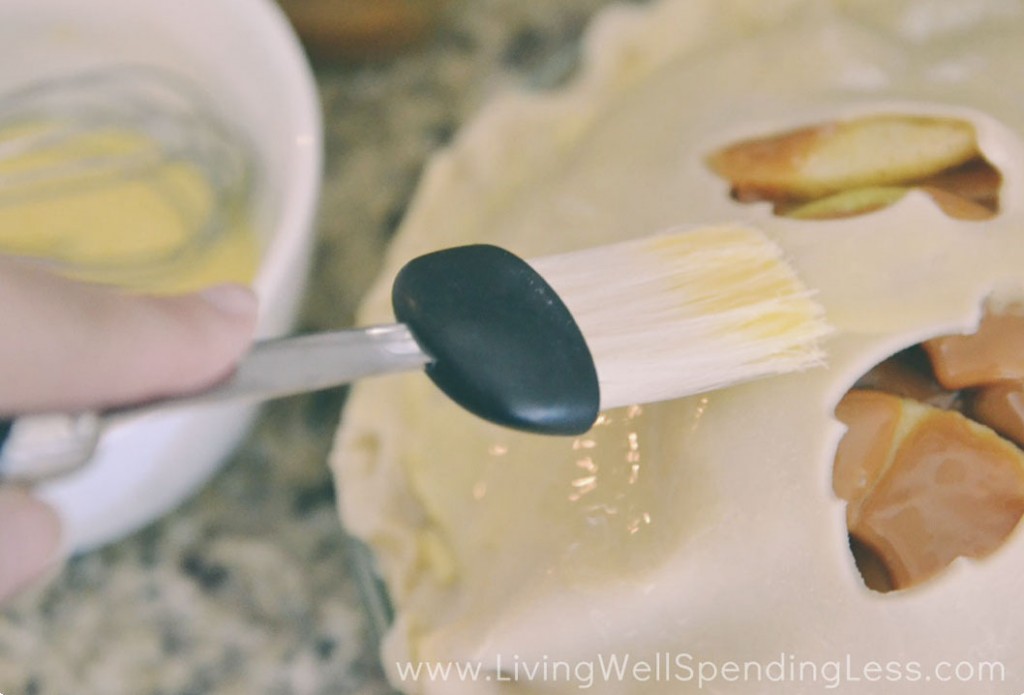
72, 345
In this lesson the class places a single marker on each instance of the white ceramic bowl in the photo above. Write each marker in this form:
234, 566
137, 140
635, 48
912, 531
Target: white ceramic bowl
244, 56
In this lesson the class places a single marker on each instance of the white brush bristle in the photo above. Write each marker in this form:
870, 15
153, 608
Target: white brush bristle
685, 312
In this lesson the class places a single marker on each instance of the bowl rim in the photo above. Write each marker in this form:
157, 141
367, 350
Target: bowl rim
295, 229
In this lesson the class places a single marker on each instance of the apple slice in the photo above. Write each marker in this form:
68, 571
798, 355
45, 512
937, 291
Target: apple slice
817, 161
860, 201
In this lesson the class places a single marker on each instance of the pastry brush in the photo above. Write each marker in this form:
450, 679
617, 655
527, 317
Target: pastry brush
540, 345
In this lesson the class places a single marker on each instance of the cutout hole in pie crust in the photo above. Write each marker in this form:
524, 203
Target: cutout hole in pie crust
931, 465
847, 168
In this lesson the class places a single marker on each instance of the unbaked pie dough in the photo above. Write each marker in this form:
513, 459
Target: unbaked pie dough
702, 530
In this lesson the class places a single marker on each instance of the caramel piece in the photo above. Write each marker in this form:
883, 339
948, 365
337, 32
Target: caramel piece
1001, 407
908, 374
977, 181
813, 162
924, 486
872, 417
872, 569
956, 206
995, 352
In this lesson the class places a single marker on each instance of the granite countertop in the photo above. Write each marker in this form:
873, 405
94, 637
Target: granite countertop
248, 587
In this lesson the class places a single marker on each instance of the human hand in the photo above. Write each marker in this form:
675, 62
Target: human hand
69, 345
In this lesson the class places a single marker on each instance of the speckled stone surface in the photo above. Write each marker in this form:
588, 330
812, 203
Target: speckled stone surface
248, 588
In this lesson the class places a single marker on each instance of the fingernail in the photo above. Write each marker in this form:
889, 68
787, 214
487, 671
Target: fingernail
30, 541
236, 300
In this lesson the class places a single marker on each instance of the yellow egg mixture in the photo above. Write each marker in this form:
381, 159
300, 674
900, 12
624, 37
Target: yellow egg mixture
112, 205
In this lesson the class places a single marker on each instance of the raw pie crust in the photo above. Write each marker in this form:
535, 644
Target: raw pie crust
705, 527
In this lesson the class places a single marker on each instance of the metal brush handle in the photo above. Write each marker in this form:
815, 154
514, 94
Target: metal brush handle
286, 366
43, 446
500, 341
